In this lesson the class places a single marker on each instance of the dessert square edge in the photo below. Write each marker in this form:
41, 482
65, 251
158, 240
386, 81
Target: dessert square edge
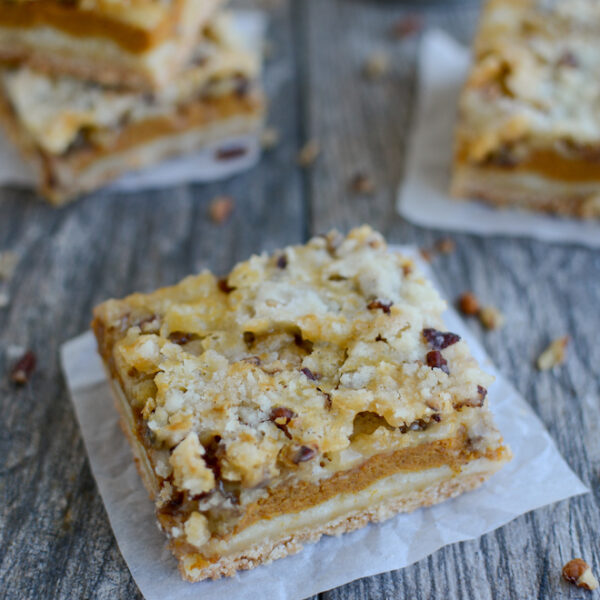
528, 134
309, 392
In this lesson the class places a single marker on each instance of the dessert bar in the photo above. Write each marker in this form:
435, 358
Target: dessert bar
528, 133
79, 135
140, 43
308, 392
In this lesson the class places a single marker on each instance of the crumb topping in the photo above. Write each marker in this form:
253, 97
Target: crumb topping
269, 373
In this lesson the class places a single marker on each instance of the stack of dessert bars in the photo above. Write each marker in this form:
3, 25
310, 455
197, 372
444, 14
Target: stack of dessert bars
91, 89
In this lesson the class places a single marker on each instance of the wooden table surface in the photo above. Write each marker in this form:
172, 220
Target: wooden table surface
55, 539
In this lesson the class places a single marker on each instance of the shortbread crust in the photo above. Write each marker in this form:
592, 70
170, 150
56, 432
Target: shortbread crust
528, 133
307, 393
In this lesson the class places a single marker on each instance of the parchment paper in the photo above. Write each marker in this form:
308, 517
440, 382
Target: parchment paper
196, 167
423, 197
536, 476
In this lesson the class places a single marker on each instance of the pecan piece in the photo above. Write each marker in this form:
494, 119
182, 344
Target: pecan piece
304, 454
554, 354
491, 318
361, 183
281, 261
312, 376
439, 340
223, 285
384, 306
578, 572
468, 304
435, 360
308, 153
23, 368
281, 417
220, 209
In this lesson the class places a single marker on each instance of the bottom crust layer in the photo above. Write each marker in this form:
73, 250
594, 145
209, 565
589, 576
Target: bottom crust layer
291, 544
528, 191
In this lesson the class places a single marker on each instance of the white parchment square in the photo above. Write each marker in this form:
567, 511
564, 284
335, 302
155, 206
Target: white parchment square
536, 476
423, 196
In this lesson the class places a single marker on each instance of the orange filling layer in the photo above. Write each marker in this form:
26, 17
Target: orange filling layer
188, 116
549, 164
85, 23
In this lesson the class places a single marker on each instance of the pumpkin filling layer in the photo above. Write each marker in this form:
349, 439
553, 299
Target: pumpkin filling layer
152, 28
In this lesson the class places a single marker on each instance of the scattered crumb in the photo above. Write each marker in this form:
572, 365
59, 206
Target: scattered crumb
8, 263
468, 304
376, 65
4, 299
361, 183
426, 254
269, 138
445, 245
23, 368
579, 573
308, 153
221, 208
491, 317
554, 354
407, 26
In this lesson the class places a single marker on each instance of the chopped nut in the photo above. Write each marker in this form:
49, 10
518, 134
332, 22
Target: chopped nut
281, 417
308, 153
491, 317
384, 306
435, 360
376, 65
223, 285
23, 368
426, 254
269, 138
221, 208
362, 184
282, 261
578, 572
554, 354
445, 245
439, 340
407, 26
305, 454
468, 304
312, 376
8, 263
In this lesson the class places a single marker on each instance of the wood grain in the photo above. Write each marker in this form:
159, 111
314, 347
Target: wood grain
55, 540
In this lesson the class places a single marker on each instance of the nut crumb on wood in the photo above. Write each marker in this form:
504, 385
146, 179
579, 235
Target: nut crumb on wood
579, 573
8, 263
308, 153
23, 368
445, 245
361, 183
407, 26
468, 304
269, 138
221, 208
376, 65
554, 354
491, 318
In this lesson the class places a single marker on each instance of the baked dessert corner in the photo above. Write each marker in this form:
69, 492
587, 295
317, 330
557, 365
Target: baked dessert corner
528, 131
308, 392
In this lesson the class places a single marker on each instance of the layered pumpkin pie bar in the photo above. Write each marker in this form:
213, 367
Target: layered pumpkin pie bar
138, 43
308, 392
79, 136
528, 133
